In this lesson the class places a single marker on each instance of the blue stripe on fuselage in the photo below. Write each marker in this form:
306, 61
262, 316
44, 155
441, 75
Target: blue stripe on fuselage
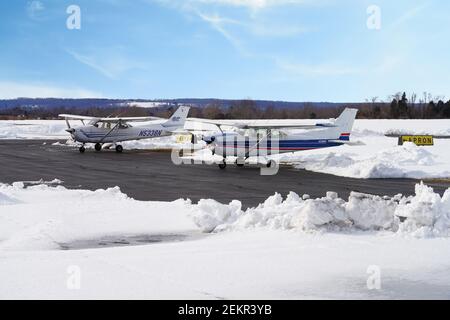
284, 144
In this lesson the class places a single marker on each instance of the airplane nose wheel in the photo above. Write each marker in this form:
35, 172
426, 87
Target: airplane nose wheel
119, 148
82, 149
98, 147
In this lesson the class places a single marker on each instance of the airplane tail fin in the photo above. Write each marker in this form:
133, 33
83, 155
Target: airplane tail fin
345, 123
178, 118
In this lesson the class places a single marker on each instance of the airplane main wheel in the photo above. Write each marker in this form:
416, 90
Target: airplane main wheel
98, 147
223, 165
239, 164
82, 149
119, 148
271, 164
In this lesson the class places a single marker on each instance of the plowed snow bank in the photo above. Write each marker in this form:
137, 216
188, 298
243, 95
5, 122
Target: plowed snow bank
426, 214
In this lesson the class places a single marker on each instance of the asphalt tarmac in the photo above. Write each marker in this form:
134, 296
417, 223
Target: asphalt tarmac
151, 175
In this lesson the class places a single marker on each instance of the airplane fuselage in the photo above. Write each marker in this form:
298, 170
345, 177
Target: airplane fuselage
106, 134
237, 145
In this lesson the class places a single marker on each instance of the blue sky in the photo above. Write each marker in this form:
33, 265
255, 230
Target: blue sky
293, 50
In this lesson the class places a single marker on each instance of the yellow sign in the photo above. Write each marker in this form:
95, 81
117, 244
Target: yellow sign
418, 140
183, 138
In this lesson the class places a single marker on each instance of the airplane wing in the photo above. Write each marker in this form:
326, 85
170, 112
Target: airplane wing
256, 125
111, 120
130, 119
286, 126
76, 117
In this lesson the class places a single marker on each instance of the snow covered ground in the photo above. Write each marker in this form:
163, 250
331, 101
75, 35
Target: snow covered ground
60, 243
33, 129
55, 129
379, 157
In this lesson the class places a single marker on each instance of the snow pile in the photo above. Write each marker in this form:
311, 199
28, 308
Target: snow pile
5, 200
210, 214
47, 217
407, 161
380, 157
417, 126
426, 213
371, 212
33, 129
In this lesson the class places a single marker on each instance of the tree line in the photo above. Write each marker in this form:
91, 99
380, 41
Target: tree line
398, 106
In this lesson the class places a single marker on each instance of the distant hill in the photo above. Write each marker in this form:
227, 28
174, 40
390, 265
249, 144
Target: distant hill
51, 103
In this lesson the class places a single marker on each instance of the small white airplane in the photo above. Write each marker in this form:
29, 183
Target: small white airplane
116, 130
285, 138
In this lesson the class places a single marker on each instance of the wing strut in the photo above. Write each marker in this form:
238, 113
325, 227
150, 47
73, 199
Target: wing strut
110, 131
256, 145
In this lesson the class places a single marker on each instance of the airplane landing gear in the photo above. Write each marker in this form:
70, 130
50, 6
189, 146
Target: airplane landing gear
223, 165
82, 149
271, 164
240, 162
119, 148
98, 147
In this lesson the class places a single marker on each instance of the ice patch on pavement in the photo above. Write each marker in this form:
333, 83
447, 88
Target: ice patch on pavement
44, 217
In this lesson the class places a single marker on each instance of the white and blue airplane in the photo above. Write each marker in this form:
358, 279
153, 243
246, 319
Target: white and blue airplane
115, 130
275, 137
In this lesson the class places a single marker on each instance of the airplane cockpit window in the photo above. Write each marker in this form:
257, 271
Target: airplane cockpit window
277, 134
124, 126
283, 135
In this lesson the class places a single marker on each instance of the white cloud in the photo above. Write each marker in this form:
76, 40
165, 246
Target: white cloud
218, 24
34, 9
254, 28
112, 64
253, 4
409, 14
239, 28
250, 4
12, 90
91, 62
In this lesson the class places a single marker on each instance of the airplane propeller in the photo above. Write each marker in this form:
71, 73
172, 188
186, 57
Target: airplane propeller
211, 145
193, 139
